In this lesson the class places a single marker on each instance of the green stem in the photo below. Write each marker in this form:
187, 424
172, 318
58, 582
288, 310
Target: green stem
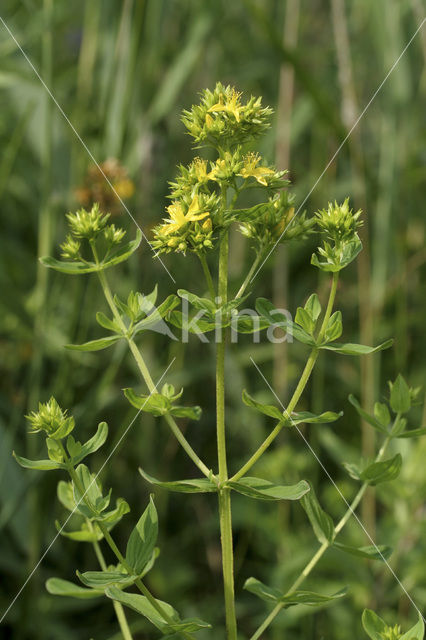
225, 518
118, 607
322, 549
116, 551
208, 275
249, 275
147, 376
300, 386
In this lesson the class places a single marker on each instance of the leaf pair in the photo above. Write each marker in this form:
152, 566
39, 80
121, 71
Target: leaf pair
323, 527
161, 404
250, 487
303, 329
294, 418
291, 599
76, 450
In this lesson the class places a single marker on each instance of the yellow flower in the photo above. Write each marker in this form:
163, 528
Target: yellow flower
178, 218
251, 170
200, 168
232, 105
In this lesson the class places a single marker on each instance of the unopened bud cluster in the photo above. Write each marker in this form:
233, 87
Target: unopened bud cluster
391, 633
339, 225
89, 225
275, 222
339, 222
51, 419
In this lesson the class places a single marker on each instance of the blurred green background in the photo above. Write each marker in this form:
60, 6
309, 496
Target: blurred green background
122, 72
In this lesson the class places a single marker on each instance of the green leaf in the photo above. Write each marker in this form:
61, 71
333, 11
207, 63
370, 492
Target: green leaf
54, 450
382, 471
82, 535
156, 403
106, 323
65, 495
123, 252
72, 268
156, 314
266, 409
374, 422
398, 427
142, 539
413, 433
196, 485
382, 414
400, 399
350, 349
334, 327
338, 259
104, 579
92, 493
353, 470
261, 590
159, 405
308, 598
304, 320
247, 323
321, 522
196, 325
313, 307
308, 417
114, 515
78, 452
379, 552
142, 606
417, 632
265, 490
274, 317
94, 345
373, 625
59, 587
192, 413
202, 304
40, 465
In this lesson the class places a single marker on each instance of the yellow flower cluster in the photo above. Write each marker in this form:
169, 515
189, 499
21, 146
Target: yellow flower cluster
183, 229
222, 120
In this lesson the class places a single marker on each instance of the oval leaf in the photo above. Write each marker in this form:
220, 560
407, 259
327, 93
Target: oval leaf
123, 252
59, 587
94, 345
382, 471
265, 490
141, 543
141, 605
400, 399
266, 409
374, 422
379, 552
321, 522
196, 485
417, 632
350, 349
104, 579
72, 268
373, 625
40, 465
